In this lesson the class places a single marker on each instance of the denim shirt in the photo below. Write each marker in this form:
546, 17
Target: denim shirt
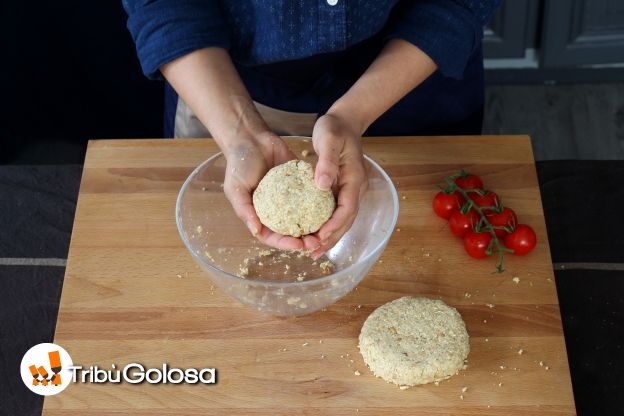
258, 32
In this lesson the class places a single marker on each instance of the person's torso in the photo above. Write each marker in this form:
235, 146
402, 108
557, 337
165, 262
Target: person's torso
300, 56
264, 32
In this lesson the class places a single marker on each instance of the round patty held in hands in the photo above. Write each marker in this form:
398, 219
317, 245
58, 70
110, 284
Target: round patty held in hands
414, 340
288, 201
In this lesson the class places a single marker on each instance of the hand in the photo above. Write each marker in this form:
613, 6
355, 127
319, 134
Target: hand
209, 83
340, 167
247, 163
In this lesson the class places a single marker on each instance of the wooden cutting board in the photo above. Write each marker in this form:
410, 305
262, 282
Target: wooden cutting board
132, 293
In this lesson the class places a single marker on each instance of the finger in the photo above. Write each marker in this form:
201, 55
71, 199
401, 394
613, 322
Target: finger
241, 201
332, 240
341, 220
318, 253
281, 151
328, 150
347, 204
283, 154
311, 242
282, 242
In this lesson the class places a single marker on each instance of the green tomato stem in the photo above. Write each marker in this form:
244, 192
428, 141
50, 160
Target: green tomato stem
483, 222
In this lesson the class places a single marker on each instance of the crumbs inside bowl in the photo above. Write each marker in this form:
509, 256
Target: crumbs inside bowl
278, 265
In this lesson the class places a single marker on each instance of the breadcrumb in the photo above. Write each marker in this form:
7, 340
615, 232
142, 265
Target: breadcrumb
243, 271
326, 266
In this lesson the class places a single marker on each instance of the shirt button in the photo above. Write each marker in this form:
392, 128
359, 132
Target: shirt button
332, 2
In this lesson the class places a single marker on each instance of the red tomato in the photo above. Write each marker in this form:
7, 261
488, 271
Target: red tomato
461, 223
469, 182
444, 204
522, 240
506, 218
489, 199
476, 244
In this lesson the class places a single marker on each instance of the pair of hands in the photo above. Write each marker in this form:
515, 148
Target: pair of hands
340, 167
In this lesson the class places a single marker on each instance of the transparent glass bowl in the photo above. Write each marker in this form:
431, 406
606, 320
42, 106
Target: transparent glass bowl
220, 243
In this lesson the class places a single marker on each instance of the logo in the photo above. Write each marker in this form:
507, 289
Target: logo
48, 369
45, 369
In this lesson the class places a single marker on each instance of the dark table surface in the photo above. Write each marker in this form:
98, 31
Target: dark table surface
582, 200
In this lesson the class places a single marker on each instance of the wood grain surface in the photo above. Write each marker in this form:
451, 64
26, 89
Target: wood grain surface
123, 300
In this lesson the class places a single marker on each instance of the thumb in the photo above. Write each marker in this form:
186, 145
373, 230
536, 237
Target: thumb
328, 164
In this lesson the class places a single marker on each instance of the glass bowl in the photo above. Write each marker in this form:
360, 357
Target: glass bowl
281, 283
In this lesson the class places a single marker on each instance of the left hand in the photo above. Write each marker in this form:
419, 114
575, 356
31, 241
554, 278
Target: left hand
340, 167
247, 163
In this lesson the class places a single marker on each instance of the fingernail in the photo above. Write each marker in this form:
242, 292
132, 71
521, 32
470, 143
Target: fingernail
252, 229
324, 181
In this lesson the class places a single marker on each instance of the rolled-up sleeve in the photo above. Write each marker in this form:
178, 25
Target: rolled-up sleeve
448, 31
164, 30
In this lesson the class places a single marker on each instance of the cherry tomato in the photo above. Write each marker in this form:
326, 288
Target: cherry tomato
461, 223
506, 218
522, 240
489, 199
476, 244
469, 182
444, 204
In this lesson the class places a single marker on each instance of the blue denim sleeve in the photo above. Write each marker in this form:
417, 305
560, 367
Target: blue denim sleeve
164, 30
448, 31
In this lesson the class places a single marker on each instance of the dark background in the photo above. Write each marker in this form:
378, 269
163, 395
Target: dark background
69, 73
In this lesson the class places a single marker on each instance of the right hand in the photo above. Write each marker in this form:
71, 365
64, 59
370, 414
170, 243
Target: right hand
341, 167
247, 163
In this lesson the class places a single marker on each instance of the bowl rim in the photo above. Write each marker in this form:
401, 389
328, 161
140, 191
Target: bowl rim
329, 277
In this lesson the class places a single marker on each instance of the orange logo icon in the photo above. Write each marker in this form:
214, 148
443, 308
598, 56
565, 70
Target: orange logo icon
41, 378
55, 366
